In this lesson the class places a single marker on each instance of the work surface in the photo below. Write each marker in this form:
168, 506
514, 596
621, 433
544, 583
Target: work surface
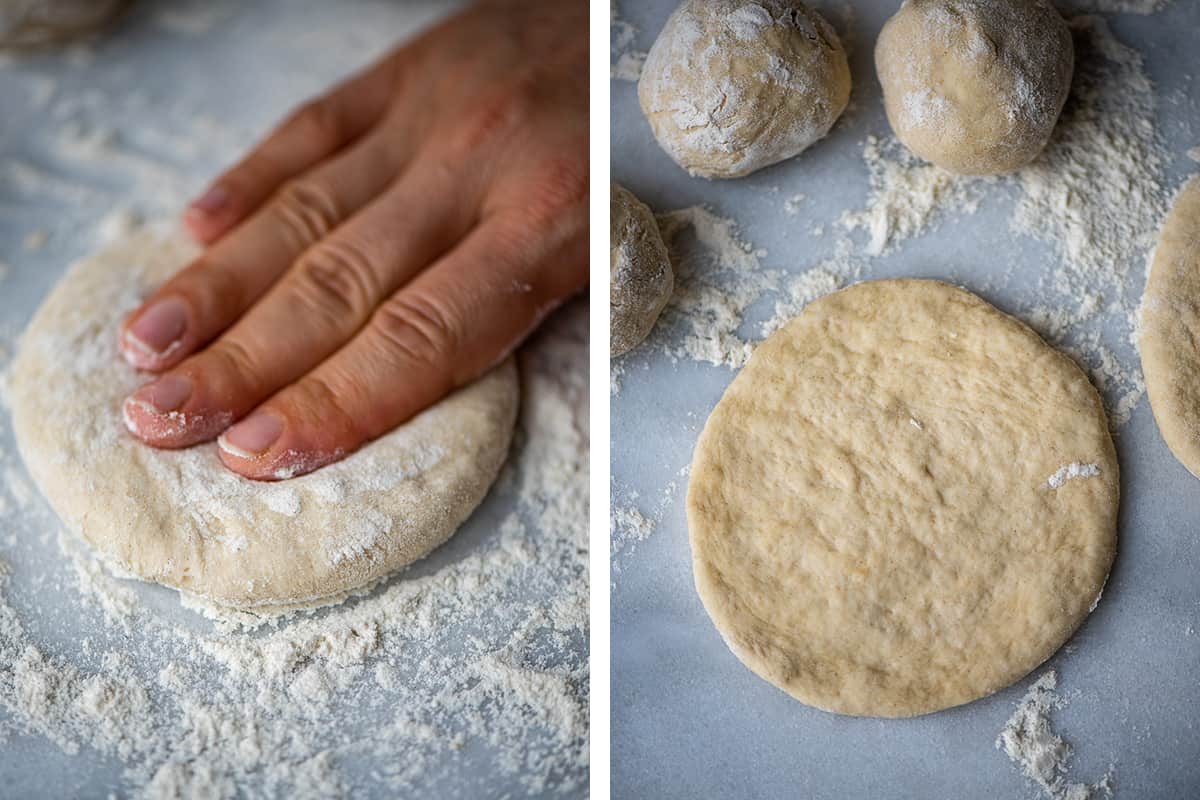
688, 719
464, 676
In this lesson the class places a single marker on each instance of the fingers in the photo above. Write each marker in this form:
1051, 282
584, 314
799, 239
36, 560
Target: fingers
311, 134
314, 309
204, 299
446, 327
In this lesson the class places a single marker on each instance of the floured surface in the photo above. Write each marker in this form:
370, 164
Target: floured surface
871, 526
464, 676
1119, 155
178, 517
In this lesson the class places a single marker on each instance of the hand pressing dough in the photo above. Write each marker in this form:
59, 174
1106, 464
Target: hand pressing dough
975, 86
732, 86
640, 276
1170, 340
179, 517
904, 502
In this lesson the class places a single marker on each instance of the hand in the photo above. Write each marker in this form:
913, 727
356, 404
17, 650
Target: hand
389, 242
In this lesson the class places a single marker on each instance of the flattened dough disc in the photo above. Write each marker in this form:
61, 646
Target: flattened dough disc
904, 502
1170, 341
179, 517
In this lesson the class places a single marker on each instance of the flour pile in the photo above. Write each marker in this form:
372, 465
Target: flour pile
1031, 743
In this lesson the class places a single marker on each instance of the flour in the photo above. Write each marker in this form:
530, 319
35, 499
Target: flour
626, 62
1194, 154
1042, 755
476, 656
907, 196
1070, 472
718, 280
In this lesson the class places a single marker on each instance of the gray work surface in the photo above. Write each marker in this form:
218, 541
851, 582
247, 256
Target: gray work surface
185, 87
688, 720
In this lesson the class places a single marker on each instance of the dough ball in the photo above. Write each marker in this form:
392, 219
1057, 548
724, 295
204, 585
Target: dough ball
732, 86
905, 501
975, 86
640, 277
1171, 328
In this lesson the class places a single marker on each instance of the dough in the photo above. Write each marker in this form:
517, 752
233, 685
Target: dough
1171, 330
732, 86
905, 501
179, 517
640, 276
975, 86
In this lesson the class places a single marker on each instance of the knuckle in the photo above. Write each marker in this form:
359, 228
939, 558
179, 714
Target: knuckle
500, 114
560, 188
306, 210
214, 289
336, 277
318, 122
323, 405
415, 328
231, 364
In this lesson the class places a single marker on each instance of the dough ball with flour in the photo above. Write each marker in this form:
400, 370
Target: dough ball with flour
905, 501
975, 86
179, 517
640, 276
1171, 329
732, 86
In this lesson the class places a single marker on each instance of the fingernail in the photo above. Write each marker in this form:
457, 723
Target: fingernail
158, 327
211, 201
253, 436
166, 394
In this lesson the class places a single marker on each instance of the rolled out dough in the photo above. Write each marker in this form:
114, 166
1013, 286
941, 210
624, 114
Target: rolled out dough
904, 502
179, 517
1170, 341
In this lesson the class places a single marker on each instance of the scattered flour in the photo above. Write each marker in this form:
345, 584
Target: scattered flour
626, 63
1031, 744
907, 196
1070, 472
1194, 154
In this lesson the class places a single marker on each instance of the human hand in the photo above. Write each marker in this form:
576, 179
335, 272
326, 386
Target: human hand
389, 242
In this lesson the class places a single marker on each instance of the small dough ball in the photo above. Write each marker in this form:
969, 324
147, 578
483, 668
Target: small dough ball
640, 276
732, 86
975, 86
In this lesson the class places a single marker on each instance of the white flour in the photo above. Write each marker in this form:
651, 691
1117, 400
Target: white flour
1031, 743
626, 63
1070, 472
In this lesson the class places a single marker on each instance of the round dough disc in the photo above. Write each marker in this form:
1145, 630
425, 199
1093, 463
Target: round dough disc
1171, 329
904, 502
179, 517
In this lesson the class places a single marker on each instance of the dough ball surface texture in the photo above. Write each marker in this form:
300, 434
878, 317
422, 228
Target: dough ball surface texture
640, 276
975, 86
1171, 330
179, 517
732, 86
905, 501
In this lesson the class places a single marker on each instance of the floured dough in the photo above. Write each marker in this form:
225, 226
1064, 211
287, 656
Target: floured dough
640, 279
732, 86
1170, 341
904, 502
179, 517
975, 86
